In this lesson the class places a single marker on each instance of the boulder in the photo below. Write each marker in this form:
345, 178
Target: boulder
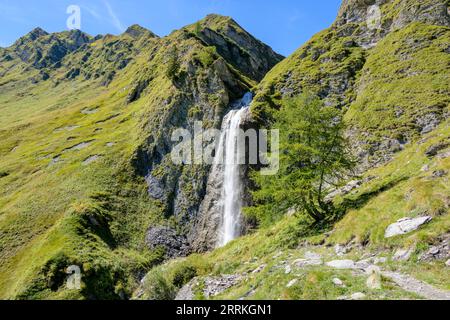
406, 225
342, 264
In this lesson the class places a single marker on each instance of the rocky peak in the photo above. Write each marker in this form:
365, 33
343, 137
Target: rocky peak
42, 49
137, 31
36, 33
236, 45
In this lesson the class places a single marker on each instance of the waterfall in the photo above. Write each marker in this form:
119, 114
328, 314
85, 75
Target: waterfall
232, 188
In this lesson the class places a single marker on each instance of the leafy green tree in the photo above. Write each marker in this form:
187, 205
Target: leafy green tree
313, 156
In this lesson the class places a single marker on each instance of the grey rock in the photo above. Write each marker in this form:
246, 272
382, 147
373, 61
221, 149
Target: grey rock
259, 269
358, 296
380, 260
312, 256
340, 250
301, 263
435, 149
443, 155
163, 237
342, 264
406, 225
439, 173
292, 283
349, 187
448, 263
363, 264
403, 254
288, 269
338, 282
212, 286
439, 251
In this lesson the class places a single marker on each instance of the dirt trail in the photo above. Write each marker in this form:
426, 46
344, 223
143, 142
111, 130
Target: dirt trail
420, 288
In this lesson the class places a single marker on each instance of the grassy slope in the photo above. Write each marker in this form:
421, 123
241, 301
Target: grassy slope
38, 192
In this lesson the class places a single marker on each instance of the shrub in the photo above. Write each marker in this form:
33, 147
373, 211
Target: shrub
183, 274
157, 287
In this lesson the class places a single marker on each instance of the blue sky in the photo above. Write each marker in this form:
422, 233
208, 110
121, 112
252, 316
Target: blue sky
283, 24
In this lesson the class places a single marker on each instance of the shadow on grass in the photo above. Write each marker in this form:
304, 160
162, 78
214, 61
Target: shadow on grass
338, 212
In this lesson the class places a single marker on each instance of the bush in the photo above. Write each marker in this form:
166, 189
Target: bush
183, 274
157, 287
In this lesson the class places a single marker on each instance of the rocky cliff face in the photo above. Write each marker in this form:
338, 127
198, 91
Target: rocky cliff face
374, 64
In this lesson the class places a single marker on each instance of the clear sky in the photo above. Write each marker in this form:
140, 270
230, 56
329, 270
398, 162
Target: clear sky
283, 24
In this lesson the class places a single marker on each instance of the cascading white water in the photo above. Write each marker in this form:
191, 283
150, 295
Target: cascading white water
232, 189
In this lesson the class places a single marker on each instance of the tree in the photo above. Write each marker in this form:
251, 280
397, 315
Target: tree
173, 64
313, 156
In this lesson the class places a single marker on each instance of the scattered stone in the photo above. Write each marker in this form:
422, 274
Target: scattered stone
379, 260
288, 269
248, 294
312, 256
403, 254
79, 146
55, 160
291, 212
363, 264
91, 159
214, 286
340, 250
448, 263
68, 128
425, 168
440, 251
300, 263
352, 185
358, 296
164, 237
434, 150
187, 292
428, 122
338, 282
439, 173
374, 280
444, 155
292, 283
406, 225
279, 254
342, 264
259, 269
110, 144
89, 111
